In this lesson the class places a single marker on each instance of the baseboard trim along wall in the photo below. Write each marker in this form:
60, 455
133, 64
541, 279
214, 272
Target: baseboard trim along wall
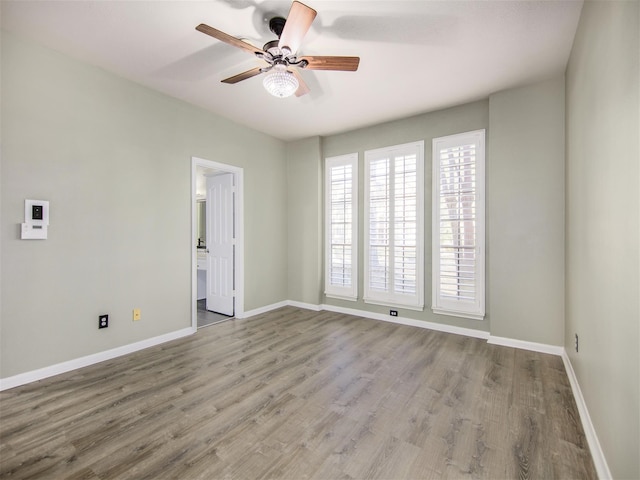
597, 454
440, 327
524, 345
57, 369
307, 306
265, 309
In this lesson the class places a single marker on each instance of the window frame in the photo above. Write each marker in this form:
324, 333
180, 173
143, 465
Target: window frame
390, 297
448, 305
335, 291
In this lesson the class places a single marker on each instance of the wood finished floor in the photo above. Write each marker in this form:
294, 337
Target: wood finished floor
298, 394
206, 318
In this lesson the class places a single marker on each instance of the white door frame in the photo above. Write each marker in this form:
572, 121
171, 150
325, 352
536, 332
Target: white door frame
238, 173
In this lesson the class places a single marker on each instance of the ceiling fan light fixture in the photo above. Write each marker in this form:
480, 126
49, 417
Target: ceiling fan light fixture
280, 82
282, 53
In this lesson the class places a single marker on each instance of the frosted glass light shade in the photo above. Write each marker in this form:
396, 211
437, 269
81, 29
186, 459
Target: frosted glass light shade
280, 83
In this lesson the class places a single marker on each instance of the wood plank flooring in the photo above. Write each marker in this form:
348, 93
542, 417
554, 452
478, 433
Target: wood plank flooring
296, 394
206, 318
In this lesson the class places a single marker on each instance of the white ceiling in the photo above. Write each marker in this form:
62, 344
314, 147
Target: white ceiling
415, 56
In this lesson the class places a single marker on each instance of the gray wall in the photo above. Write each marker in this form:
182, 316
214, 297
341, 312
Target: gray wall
304, 213
525, 198
114, 160
602, 225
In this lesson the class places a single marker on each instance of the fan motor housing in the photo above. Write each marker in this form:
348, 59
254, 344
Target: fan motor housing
276, 25
269, 45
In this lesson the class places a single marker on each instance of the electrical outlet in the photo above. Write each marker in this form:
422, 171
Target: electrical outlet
576, 342
103, 321
136, 314
393, 313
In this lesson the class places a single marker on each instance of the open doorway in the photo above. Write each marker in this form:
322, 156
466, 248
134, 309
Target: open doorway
217, 241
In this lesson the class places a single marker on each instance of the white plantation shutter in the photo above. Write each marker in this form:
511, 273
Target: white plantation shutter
405, 224
378, 228
458, 225
341, 223
394, 205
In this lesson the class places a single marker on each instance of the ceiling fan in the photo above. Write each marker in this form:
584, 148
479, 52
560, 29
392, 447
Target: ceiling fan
281, 55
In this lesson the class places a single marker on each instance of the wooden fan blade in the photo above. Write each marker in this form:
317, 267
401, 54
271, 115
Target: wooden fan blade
297, 25
243, 76
303, 88
347, 64
226, 38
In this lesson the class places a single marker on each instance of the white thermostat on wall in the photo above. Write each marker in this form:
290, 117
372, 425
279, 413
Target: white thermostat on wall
36, 220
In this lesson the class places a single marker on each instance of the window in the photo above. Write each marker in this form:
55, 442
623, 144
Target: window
341, 226
394, 226
458, 225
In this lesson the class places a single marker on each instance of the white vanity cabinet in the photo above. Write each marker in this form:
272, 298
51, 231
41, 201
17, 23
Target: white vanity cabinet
202, 274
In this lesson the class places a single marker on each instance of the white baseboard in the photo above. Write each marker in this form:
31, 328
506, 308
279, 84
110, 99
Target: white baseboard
285, 303
265, 309
469, 332
57, 369
440, 327
306, 306
599, 460
524, 345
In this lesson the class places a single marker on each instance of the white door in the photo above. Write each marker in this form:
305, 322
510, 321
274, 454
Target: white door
220, 243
